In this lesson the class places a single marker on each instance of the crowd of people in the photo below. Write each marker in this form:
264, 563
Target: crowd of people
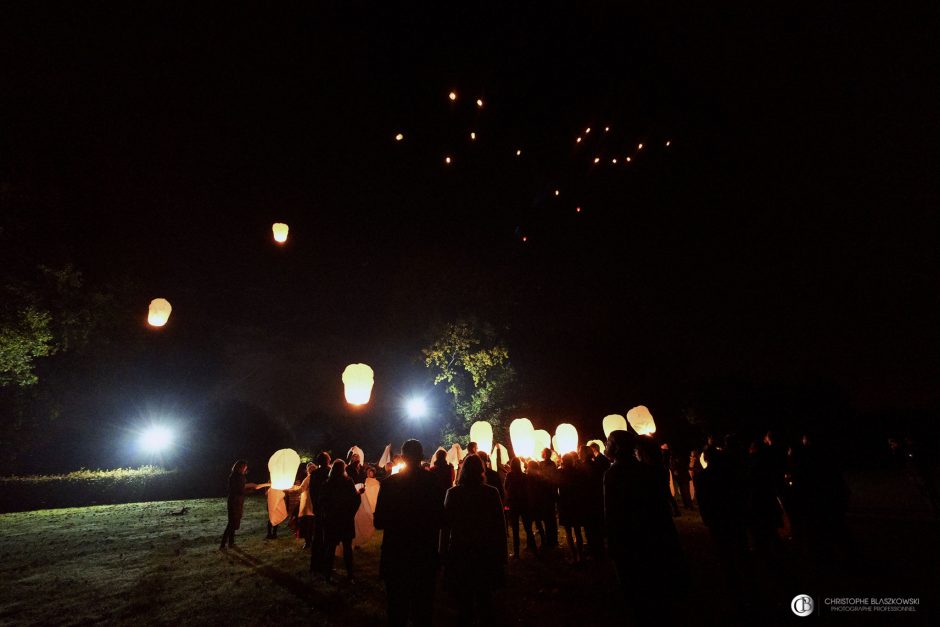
617, 504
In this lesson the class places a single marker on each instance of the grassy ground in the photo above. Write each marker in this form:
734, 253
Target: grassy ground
139, 563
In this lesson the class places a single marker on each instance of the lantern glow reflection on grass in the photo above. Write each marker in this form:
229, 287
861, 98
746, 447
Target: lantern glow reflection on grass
358, 380
159, 312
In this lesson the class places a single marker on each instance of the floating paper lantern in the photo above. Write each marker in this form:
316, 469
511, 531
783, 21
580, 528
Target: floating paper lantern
667, 144
521, 434
452, 95
543, 440
566, 438
358, 380
641, 420
577, 141
283, 468
280, 232
447, 160
597, 159
158, 312
499, 456
600, 445
614, 422
482, 433
473, 135
399, 137
480, 102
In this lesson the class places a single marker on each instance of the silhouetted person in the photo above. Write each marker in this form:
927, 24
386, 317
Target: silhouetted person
237, 489
411, 511
665, 458
572, 501
318, 534
549, 475
475, 542
339, 501
517, 499
592, 501
603, 462
442, 471
355, 470
642, 538
492, 477
537, 498
305, 511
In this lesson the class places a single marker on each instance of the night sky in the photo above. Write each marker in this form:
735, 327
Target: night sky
787, 236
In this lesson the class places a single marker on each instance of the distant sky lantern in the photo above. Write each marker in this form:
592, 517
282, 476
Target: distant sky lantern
522, 438
358, 380
597, 159
158, 312
452, 95
629, 159
614, 422
280, 232
606, 129
399, 137
525, 239
557, 192
667, 144
283, 467
482, 433
543, 440
499, 456
518, 153
600, 445
587, 130
447, 160
480, 102
577, 209
577, 141
641, 420
566, 438
639, 147
473, 135
613, 161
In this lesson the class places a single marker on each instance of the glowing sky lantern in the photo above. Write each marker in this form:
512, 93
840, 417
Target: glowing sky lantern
452, 95
518, 153
600, 445
566, 438
667, 144
641, 420
597, 159
473, 135
447, 160
614, 422
557, 192
283, 467
499, 456
280, 232
158, 312
577, 141
480, 102
399, 137
543, 440
521, 434
482, 433
639, 147
358, 380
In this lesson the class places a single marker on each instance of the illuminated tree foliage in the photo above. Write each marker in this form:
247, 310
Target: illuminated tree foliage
474, 365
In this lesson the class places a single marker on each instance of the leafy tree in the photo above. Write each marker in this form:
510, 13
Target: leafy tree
24, 336
474, 364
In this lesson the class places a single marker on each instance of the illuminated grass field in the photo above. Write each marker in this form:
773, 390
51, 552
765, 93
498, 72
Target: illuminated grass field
138, 563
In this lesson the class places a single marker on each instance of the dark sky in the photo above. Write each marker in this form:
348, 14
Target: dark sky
788, 234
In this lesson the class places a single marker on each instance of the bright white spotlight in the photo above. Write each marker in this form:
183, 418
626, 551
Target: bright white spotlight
416, 408
156, 439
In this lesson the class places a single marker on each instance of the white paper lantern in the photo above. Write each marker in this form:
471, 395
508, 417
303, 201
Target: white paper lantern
566, 439
499, 456
614, 422
641, 420
521, 434
455, 454
543, 440
280, 232
158, 312
358, 380
482, 433
283, 467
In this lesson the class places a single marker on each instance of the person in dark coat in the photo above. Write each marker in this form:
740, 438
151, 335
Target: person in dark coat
338, 503
355, 470
475, 542
237, 489
599, 458
592, 501
410, 510
549, 474
443, 471
492, 477
537, 498
517, 499
642, 538
314, 487
571, 502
